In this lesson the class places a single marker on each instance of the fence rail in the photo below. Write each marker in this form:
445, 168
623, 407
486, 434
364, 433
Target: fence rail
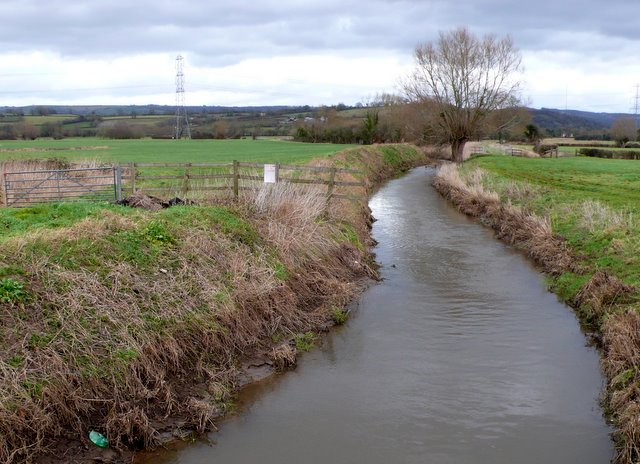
235, 177
109, 183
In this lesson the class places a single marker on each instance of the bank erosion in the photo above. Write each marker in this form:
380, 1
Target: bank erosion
578, 219
128, 322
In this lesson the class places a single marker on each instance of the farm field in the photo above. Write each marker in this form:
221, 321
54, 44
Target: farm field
566, 180
573, 150
571, 141
593, 203
40, 120
167, 151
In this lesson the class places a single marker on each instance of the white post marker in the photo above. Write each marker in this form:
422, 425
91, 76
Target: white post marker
270, 174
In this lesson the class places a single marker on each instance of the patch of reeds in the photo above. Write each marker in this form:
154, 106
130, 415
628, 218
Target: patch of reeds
621, 364
108, 336
596, 217
601, 292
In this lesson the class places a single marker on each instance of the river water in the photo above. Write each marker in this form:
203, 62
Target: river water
459, 355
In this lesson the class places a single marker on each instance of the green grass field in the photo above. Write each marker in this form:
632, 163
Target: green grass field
567, 180
593, 203
168, 151
40, 120
146, 119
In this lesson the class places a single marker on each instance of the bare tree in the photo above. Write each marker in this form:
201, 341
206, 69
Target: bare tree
507, 124
623, 130
27, 130
465, 77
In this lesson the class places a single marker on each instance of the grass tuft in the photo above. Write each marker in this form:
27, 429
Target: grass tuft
11, 291
305, 341
340, 316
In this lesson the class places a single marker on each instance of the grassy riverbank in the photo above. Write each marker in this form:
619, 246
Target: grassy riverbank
578, 218
115, 319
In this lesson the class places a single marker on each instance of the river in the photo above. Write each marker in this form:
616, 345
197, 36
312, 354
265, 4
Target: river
460, 355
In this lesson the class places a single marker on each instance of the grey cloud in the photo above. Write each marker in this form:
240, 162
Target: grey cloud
237, 28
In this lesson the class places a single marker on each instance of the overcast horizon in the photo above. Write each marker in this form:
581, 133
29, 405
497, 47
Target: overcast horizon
577, 55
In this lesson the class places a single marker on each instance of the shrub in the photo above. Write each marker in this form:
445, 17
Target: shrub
122, 130
541, 149
305, 341
8, 132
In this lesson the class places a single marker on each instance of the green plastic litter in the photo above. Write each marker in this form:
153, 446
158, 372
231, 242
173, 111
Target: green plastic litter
98, 439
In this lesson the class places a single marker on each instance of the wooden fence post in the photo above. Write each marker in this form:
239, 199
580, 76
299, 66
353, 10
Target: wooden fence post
236, 173
58, 185
118, 179
5, 188
185, 179
332, 182
132, 177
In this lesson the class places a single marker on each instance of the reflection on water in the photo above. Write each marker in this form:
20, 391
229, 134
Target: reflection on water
459, 355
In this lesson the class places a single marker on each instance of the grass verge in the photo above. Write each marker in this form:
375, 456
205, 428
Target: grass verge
577, 218
114, 319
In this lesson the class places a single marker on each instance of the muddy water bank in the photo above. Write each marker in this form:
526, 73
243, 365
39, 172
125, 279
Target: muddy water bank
459, 355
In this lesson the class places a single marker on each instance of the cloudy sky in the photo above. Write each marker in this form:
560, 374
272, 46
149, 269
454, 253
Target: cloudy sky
580, 54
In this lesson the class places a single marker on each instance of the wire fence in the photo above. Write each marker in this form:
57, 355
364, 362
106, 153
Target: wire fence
185, 180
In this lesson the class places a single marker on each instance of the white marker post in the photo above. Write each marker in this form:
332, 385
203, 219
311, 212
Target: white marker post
270, 173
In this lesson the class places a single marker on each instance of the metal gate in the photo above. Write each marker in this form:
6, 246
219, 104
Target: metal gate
26, 188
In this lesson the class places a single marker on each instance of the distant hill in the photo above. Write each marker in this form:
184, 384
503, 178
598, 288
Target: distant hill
556, 122
121, 110
553, 122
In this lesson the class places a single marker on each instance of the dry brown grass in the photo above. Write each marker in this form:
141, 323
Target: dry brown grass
283, 357
601, 293
216, 301
597, 217
289, 203
621, 337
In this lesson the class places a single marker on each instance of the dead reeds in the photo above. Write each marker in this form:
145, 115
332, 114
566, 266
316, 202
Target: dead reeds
108, 346
621, 338
596, 217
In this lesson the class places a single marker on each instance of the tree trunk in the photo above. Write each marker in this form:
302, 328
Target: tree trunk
457, 150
